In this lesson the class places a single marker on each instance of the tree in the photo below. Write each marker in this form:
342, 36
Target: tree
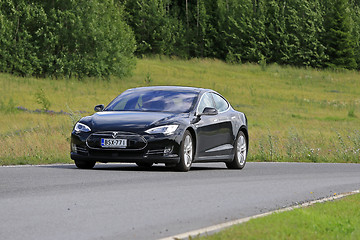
337, 38
355, 30
156, 30
316, 33
65, 38
304, 25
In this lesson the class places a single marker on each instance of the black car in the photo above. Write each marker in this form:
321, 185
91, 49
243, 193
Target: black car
173, 125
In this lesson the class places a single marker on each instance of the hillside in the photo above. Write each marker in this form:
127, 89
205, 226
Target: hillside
294, 114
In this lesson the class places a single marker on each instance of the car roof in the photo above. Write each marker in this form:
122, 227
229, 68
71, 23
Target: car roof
169, 88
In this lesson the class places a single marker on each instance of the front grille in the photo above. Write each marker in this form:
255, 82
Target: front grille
134, 141
116, 154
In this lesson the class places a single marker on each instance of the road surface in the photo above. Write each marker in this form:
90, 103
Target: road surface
123, 201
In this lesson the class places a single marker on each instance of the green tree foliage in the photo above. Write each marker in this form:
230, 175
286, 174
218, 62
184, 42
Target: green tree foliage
355, 29
17, 53
243, 31
337, 39
156, 30
306, 29
275, 27
65, 38
200, 42
90, 37
302, 24
316, 33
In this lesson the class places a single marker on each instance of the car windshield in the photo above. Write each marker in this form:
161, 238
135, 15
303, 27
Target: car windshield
154, 101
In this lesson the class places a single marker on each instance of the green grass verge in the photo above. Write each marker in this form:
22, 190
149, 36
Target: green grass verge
294, 114
339, 219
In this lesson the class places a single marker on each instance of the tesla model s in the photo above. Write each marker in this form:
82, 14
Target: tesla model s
177, 126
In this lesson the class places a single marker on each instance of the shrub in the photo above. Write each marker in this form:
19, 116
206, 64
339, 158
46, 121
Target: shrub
41, 99
65, 38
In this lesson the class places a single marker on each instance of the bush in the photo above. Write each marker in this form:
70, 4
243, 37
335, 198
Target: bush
41, 99
65, 38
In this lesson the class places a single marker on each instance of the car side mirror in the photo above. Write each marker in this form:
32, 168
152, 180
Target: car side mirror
209, 111
99, 108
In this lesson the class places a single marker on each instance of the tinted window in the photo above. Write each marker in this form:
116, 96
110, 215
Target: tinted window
206, 101
221, 103
154, 101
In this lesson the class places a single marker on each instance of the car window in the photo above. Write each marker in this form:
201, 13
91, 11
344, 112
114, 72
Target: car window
154, 101
220, 102
206, 101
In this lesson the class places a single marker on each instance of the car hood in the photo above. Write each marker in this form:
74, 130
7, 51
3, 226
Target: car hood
130, 121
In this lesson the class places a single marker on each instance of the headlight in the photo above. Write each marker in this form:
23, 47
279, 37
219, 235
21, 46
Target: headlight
167, 129
79, 127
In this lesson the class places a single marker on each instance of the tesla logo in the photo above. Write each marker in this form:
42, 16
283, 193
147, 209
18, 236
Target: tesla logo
115, 134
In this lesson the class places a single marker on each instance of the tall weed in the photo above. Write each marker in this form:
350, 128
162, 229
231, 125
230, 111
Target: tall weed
8, 107
42, 99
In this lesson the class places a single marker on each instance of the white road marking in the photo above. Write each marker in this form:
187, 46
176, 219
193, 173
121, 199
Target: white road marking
39, 165
243, 220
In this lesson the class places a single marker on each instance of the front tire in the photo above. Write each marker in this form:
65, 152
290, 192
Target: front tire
186, 153
84, 164
239, 160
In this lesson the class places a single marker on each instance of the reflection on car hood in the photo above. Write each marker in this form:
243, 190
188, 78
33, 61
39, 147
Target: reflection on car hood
130, 121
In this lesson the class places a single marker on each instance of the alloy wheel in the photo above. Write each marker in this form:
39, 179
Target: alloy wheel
188, 151
241, 150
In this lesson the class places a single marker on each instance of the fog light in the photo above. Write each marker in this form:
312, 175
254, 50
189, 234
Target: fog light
73, 148
168, 150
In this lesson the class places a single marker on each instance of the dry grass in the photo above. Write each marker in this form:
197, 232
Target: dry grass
294, 114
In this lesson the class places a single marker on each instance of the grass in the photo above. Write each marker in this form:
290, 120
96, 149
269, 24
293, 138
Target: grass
294, 114
330, 220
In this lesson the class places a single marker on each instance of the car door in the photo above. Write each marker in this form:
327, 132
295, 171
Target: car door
225, 122
211, 131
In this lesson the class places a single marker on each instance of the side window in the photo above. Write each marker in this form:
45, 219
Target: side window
206, 101
221, 103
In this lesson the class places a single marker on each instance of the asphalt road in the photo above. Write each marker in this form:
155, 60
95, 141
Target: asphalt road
122, 201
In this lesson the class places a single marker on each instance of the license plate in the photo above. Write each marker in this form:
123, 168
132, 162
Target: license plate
113, 143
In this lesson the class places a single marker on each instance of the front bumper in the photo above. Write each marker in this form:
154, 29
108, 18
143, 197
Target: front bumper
158, 149
127, 159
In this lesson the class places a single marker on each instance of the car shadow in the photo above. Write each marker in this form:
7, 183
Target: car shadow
133, 167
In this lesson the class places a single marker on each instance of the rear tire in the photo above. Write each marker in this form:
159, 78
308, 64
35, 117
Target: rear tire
84, 164
239, 160
186, 153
